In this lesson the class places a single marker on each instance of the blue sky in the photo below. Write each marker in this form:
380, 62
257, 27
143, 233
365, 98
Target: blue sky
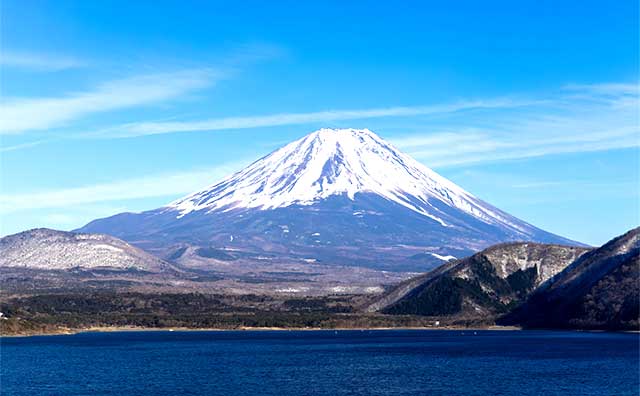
125, 106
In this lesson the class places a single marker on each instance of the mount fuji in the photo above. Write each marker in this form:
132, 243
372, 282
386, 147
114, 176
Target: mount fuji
336, 196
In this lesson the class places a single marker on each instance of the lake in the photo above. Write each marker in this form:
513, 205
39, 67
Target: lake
378, 362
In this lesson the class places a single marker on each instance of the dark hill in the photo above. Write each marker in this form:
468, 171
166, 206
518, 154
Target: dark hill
486, 284
601, 290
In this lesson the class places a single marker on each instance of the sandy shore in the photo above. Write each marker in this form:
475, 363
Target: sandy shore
68, 331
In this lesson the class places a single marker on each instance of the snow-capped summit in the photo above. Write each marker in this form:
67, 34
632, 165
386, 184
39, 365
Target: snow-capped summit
336, 162
336, 196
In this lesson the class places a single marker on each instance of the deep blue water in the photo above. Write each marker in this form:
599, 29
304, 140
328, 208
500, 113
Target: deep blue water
322, 363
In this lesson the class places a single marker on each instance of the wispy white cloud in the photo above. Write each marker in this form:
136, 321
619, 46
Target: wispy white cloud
39, 61
578, 118
605, 89
67, 218
20, 146
614, 186
547, 188
158, 185
590, 118
470, 147
22, 115
228, 123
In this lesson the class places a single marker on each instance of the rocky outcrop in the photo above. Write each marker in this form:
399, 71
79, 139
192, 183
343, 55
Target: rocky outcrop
486, 284
600, 290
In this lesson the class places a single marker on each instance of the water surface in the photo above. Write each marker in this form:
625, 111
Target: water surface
389, 362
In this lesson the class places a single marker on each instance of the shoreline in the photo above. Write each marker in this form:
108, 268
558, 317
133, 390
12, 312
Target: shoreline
117, 329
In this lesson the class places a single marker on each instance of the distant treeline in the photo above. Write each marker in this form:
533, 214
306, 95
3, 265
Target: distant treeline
52, 312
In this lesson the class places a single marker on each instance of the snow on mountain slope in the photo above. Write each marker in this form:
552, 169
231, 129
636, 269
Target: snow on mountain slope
58, 250
333, 162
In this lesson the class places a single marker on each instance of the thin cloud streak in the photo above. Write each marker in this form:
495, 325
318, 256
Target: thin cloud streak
230, 123
23, 115
159, 185
451, 150
580, 118
617, 185
21, 146
593, 118
39, 62
605, 89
